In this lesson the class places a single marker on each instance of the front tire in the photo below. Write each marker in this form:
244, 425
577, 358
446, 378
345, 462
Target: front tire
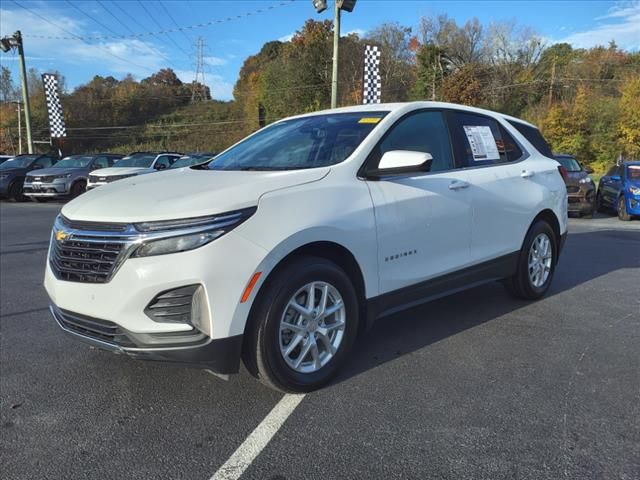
78, 189
536, 263
302, 326
622, 210
15, 192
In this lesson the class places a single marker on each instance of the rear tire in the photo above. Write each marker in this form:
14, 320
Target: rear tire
622, 210
278, 335
536, 263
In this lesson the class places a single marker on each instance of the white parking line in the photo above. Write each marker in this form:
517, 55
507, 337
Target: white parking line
259, 438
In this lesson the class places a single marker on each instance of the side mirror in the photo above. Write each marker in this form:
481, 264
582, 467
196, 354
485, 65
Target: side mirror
615, 178
588, 170
401, 162
160, 166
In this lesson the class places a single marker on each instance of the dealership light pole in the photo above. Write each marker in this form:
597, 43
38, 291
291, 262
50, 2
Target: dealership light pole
6, 44
321, 6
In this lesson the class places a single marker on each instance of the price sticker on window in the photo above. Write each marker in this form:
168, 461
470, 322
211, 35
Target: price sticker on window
483, 144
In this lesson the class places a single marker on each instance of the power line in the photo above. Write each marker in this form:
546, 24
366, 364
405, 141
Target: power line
153, 19
166, 10
83, 40
164, 30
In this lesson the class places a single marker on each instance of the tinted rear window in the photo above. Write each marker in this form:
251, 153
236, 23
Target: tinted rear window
534, 137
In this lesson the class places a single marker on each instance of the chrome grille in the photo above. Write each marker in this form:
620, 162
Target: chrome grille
93, 226
43, 179
78, 260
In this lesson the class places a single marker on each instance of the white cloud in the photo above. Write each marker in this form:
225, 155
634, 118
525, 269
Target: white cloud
137, 57
621, 24
215, 61
220, 88
356, 31
286, 38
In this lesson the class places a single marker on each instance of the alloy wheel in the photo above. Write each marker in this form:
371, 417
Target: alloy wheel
540, 259
312, 327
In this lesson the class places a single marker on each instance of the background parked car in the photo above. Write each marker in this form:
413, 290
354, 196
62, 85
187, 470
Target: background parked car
4, 158
13, 172
581, 190
193, 159
68, 177
619, 190
137, 163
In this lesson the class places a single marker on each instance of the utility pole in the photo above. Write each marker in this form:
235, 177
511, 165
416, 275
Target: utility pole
553, 79
336, 43
19, 129
6, 44
338, 5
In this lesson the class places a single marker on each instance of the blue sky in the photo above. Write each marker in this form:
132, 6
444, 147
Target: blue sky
229, 42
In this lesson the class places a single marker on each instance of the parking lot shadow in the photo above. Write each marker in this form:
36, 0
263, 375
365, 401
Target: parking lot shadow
586, 256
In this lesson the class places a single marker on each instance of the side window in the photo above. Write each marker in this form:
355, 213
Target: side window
100, 162
162, 162
420, 132
479, 140
534, 137
43, 162
611, 172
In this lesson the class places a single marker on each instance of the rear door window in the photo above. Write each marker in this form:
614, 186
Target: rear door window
534, 137
479, 140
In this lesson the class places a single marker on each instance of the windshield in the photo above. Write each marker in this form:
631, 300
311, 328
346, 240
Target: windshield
18, 162
189, 160
137, 160
75, 161
633, 172
308, 142
570, 163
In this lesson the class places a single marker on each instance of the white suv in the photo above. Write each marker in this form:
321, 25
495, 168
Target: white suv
292, 241
137, 163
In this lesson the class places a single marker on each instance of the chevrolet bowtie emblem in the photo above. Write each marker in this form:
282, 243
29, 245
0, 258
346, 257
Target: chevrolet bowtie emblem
61, 235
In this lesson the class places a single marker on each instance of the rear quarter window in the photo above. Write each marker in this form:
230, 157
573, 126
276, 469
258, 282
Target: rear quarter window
534, 137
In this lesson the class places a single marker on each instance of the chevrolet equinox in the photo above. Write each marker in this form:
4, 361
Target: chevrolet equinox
292, 241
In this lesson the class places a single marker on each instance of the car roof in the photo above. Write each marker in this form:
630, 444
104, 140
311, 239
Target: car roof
632, 162
405, 107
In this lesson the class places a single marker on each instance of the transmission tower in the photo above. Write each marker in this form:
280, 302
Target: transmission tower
198, 88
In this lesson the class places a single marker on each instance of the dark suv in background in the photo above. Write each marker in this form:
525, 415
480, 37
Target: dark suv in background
66, 178
14, 171
581, 190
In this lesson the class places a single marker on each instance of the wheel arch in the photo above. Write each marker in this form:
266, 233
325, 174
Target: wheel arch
329, 250
550, 217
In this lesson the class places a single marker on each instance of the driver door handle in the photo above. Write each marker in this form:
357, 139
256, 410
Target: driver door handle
527, 174
457, 185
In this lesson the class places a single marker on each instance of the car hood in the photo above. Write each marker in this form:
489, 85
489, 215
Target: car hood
53, 171
112, 171
182, 193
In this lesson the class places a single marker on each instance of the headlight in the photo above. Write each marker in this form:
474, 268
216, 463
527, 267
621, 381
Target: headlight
66, 175
634, 190
173, 236
585, 180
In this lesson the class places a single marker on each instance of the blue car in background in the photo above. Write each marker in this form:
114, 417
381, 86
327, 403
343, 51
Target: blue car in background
619, 190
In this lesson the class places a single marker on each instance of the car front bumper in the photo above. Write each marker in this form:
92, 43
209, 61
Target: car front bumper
581, 198
222, 268
53, 189
221, 356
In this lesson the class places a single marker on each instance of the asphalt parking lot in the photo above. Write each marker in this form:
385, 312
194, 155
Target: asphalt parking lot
476, 385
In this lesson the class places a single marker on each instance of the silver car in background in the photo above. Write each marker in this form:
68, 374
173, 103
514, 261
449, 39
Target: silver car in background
66, 178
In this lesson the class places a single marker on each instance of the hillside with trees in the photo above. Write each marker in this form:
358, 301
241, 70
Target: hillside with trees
586, 101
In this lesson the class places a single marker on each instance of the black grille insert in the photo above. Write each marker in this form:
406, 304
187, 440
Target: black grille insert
95, 328
172, 305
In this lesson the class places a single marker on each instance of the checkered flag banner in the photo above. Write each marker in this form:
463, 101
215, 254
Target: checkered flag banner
56, 116
371, 84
